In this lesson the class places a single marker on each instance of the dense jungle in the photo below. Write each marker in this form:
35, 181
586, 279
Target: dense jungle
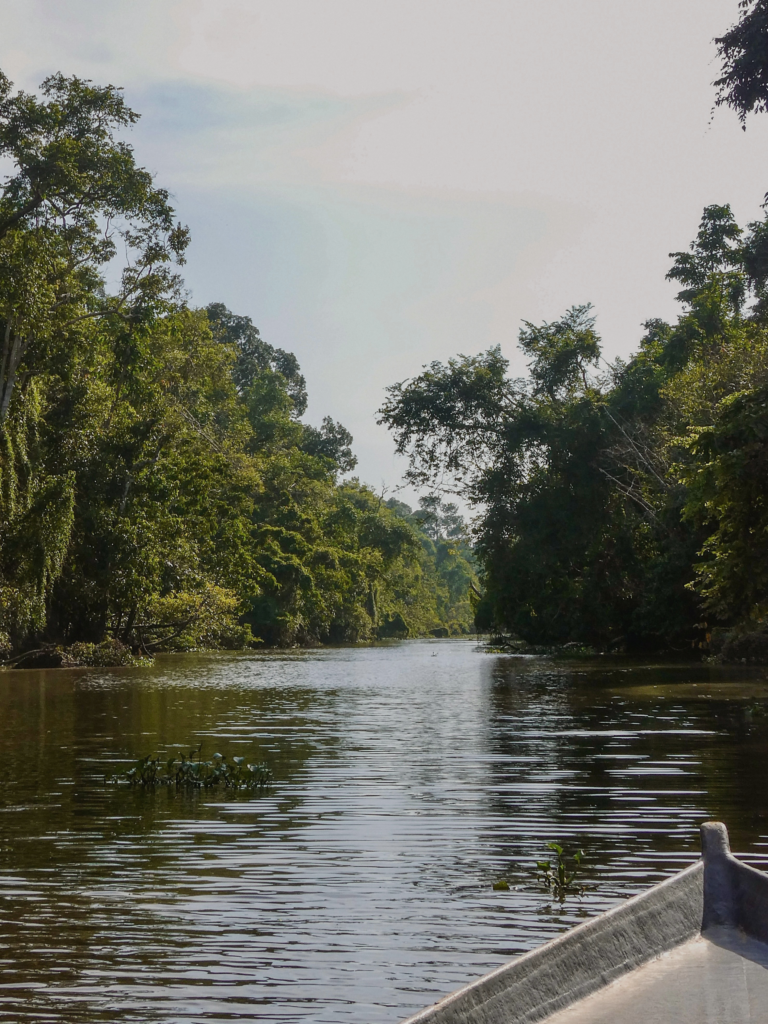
159, 489
623, 505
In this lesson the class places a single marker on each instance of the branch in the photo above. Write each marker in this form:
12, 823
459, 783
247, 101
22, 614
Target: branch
631, 494
26, 654
187, 415
9, 222
640, 452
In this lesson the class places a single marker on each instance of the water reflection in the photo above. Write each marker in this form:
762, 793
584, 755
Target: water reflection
359, 888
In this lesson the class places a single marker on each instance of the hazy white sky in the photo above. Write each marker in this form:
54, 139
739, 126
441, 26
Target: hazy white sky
380, 183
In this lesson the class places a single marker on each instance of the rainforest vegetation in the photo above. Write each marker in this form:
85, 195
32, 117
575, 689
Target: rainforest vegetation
623, 505
159, 489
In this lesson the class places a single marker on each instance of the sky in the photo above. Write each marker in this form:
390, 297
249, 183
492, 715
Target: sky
382, 183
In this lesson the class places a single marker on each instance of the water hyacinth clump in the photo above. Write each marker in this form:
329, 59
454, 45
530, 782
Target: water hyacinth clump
192, 772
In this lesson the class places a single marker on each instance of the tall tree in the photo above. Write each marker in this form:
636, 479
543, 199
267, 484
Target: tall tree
73, 191
588, 530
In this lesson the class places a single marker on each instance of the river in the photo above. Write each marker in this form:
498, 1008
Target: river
408, 778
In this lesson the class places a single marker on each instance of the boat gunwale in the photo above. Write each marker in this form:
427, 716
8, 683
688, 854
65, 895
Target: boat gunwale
564, 969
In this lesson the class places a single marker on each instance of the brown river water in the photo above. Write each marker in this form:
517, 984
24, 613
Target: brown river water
407, 779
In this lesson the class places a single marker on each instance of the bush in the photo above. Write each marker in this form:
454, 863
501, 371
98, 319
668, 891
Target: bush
741, 646
108, 654
188, 621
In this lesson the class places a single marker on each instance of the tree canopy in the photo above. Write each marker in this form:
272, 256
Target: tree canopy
743, 51
159, 488
621, 505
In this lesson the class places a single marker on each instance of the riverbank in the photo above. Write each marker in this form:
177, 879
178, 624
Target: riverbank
114, 654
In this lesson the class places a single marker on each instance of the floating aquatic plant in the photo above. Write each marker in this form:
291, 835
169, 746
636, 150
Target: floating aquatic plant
559, 879
192, 772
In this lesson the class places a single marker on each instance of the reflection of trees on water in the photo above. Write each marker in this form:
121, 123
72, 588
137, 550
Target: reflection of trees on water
623, 762
62, 731
91, 873
406, 785
734, 771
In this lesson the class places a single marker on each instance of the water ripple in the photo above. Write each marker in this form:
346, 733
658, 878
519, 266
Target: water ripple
360, 887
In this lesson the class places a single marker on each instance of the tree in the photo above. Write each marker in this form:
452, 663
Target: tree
158, 487
331, 441
255, 357
728, 496
589, 528
72, 191
561, 352
450, 420
715, 255
743, 50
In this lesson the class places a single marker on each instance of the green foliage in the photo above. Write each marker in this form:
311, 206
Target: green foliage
620, 509
36, 518
191, 772
332, 442
108, 654
185, 621
158, 488
255, 357
71, 192
747, 644
448, 566
715, 258
743, 50
341, 565
557, 876
447, 419
726, 470
562, 352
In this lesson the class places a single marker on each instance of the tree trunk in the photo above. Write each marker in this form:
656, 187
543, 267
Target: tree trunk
14, 347
129, 623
